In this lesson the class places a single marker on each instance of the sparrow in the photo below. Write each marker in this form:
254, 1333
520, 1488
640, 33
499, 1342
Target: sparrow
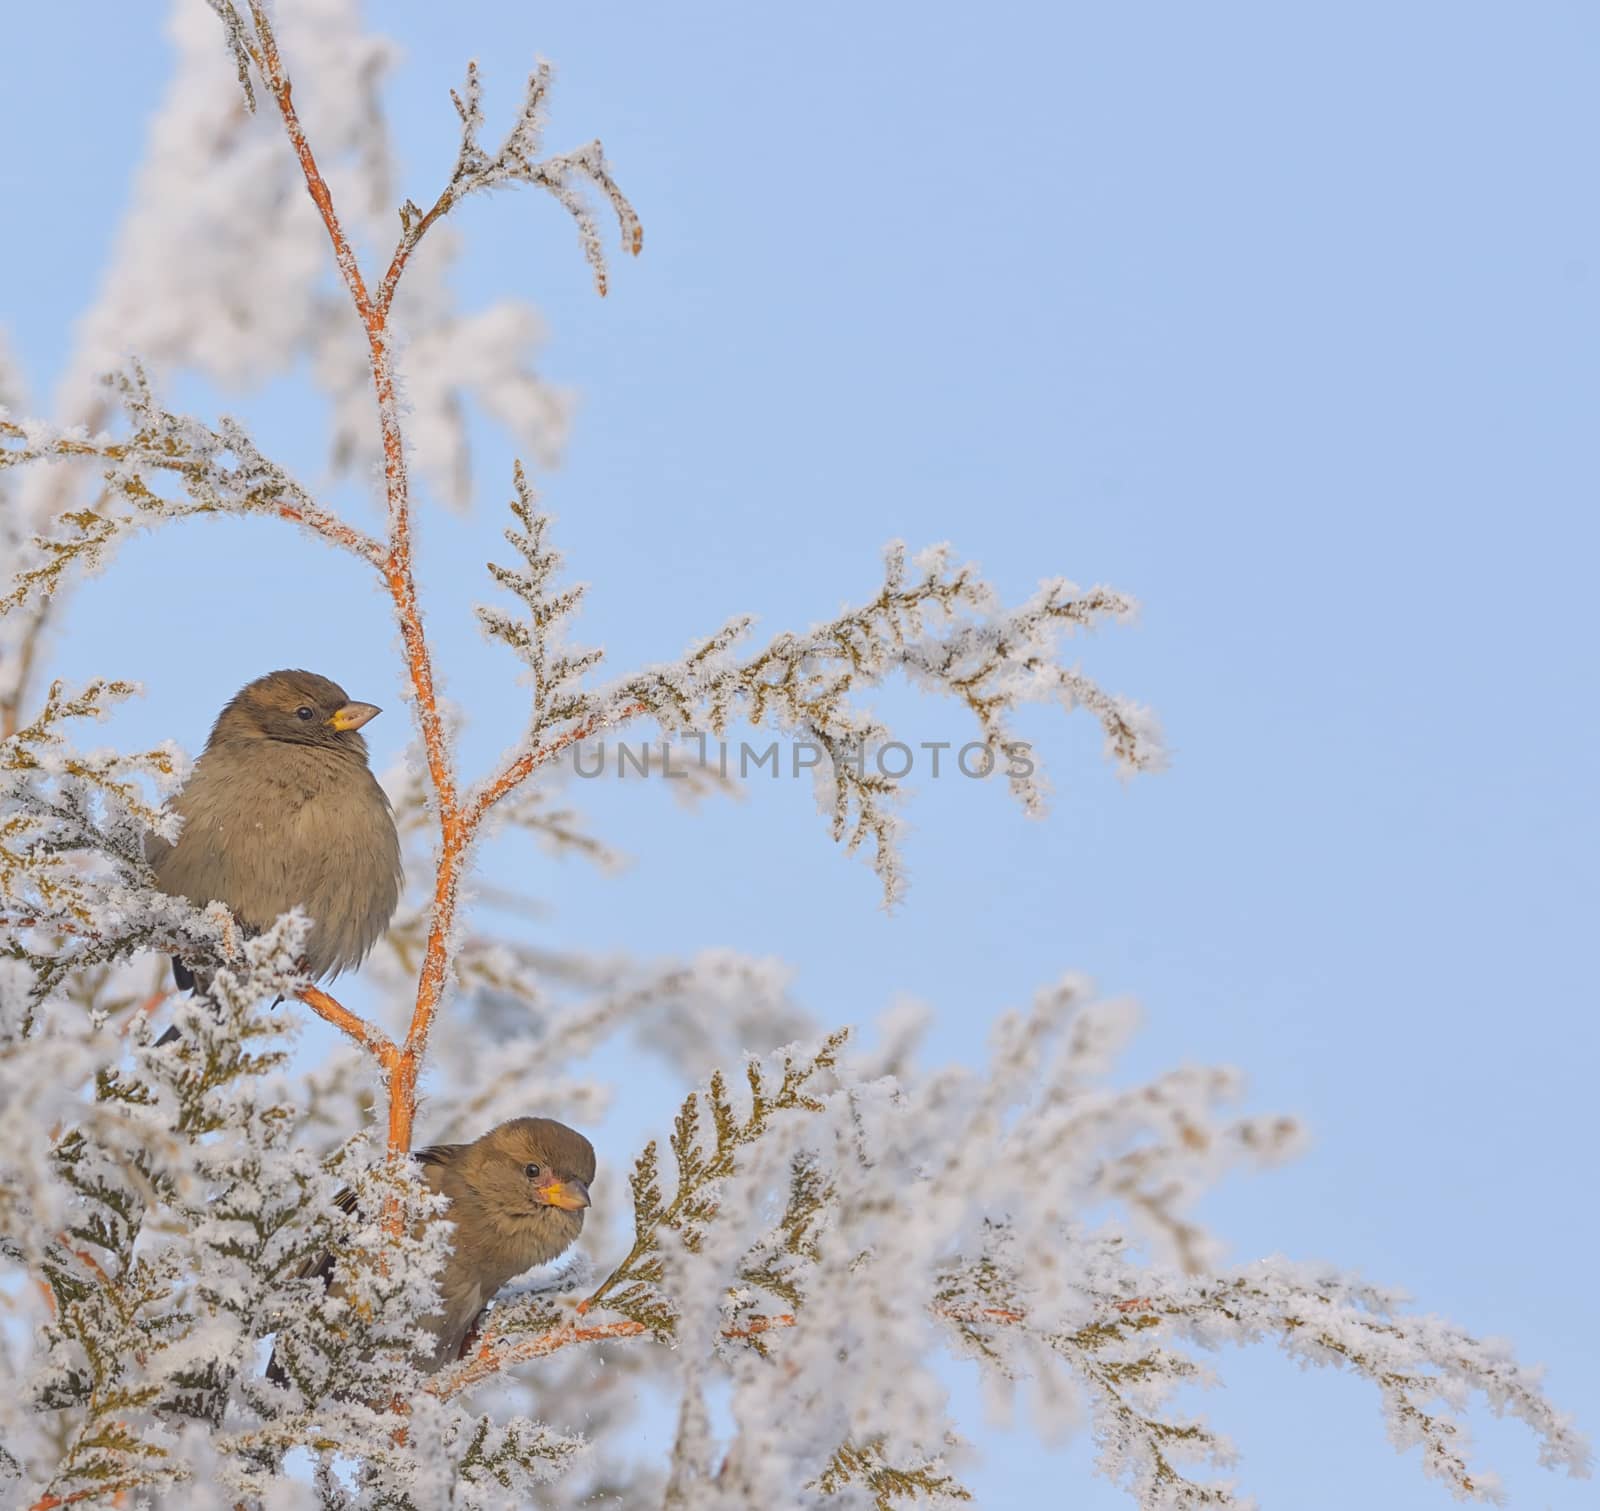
282, 811
517, 1199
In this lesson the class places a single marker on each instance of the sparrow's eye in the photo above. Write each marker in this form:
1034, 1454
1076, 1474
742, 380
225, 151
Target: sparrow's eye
533, 1172
303, 712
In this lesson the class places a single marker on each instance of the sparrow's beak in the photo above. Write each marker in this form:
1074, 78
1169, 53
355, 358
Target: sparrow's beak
354, 715
570, 1195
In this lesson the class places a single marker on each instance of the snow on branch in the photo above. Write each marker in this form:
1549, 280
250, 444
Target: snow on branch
933, 619
219, 471
175, 1218
534, 640
864, 1464
941, 625
872, 1226
815, 1211
911, 1220
60, 807
632, 1288
517, 162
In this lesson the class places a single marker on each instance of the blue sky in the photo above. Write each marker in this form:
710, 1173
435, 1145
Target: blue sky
1283, 319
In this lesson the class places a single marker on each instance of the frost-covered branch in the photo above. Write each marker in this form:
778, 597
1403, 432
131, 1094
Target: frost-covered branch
59, 807
475, 170
517, 162
632, 1288
874, 1226
934, 620
801, 684
220, 471
534, 640
941, 625
817, 1211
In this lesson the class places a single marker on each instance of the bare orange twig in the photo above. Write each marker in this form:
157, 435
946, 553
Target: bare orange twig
86, 1259
370, 1038
335, 529
488, 1359
50, 1502
458, 822
54, 925
408, 244
398, 577
518, 771
145, 1008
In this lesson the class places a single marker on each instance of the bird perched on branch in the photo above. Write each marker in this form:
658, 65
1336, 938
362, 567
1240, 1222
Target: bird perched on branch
517, 1199
281, 811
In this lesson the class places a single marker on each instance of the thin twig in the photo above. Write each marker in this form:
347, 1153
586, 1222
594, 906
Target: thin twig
518, 771
458, 822
323, 521
50, 1502
370, 1038
492, 1356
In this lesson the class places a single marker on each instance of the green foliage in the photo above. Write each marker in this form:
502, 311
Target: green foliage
555, 699
772, 1267
508, 1453
61, 801
633, 1288
865, 1464
219, 470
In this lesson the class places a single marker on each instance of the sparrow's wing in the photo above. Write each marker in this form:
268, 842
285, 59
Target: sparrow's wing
435, 1160
321, 1268
437, 1154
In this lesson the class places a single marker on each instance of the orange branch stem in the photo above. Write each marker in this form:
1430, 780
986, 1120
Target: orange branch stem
334, 529
322, 521
489, 1360
49, 1502
277, 82
86, 1259
402, 590
372, 1039
458, 823
519, 770
408, 244
145, 1008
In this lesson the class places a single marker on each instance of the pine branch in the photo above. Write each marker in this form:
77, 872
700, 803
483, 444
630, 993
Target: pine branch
219, 470
990, 661
536, 639
889, 1485
59, 807
633, 1287
517, 162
